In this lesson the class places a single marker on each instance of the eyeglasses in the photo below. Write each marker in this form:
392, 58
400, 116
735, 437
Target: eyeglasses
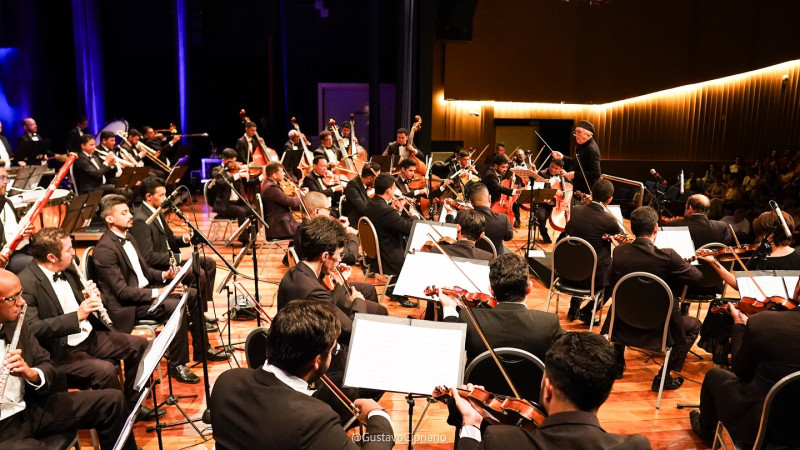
4, 179
336, 349
15, 298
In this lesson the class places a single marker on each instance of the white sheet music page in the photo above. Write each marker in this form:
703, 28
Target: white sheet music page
177, 279
156, 349
771, 285
678, 239
423, 269
617, 213
420, 233
405, 355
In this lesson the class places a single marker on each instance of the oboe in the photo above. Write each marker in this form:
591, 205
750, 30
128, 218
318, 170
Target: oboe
102, 312
4, 371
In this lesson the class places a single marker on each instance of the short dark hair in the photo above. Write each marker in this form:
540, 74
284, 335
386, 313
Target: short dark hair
249, 125
383, 182
105, 135
477, 189
699, 203
402, 131
272, 168
323, 134
150, 184
406, 163
45, 242
109, 201
767, 219
229, 153
146, 128
500, 159
508, 276
463, 153
86, 138
346, 125
319, 157
134, 132
558, 162
299, 332
320, 235
472, 224
602, 190
370, 169
643, 221
583, 366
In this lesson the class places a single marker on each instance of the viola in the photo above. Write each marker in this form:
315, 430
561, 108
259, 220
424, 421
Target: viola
498, 409
471, 299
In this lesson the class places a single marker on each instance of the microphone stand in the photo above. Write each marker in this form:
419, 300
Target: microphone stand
255, 218
197, 239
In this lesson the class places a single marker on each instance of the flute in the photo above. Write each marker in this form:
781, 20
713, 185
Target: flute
102, 312
4, 371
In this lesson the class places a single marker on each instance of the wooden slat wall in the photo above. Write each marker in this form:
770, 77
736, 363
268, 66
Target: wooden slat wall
747, 115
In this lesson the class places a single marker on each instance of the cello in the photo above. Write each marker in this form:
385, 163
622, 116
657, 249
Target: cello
421, 167
346, 166
261, 153
307, 159
505, 205
559, 216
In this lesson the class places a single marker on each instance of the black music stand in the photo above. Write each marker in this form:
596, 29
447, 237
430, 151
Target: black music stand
80, 212
131, 176
534, 197
28, 177
32, 152
175, 175
291, 161
386, 162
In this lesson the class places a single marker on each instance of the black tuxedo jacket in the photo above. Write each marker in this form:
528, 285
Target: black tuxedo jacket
643, 256
222, 190
590, 222
492, 181
402, 186
155, 240
357, 200
587, 156
244, 400
45, 317
321, 151
758, 364
89, 177
241, 148
571, 430
498, 228
392, 230
393, 148
3, 201
118, 282
74, 140
290, 146
465, 249
300, 282
278, 211
703, 230
37, 358
314, 184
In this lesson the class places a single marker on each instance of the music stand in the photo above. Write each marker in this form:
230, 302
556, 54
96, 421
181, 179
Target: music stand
291, 160
384, 161
28, 177
30, 151
80, 212
534, 197
131, 176
175, 175
126, 429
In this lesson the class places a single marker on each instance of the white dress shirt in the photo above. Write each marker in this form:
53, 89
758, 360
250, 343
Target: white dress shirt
4, 155
94, 163
10, 223
12, 401
134, 258
69, 304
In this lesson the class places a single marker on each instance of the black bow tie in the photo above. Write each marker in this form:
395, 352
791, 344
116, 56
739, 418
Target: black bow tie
123, 240
59, 276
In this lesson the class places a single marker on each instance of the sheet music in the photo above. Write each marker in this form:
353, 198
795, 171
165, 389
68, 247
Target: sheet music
616, 211
423, 269
678, 239
397, 355
420, 231
790, 282
771, 285
159, 345
126, 430
538, 185
182, 273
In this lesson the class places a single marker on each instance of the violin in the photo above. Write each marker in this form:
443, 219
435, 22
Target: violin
750, 306
621, 238
727, 253
429, 245
457, 205
498, 409
471, 299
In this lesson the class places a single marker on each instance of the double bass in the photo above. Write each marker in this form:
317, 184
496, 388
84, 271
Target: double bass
261, 153
421, 167
307, 159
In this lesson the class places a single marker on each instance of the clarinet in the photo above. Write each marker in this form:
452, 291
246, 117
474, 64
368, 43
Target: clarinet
4, 371
102, 312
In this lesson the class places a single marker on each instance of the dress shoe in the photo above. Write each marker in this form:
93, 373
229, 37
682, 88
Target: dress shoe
516, 223
694, 419
182, 374
211, 328
213, 355
685, 309
587, 318
406, 303
148, 414
210, 319
572, 314
670, 384
546, 239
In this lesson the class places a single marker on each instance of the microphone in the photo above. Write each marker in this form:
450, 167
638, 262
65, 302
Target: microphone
170, 201
659, 178
682, 182
774, 206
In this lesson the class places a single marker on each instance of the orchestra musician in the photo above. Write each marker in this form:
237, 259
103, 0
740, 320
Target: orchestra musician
764, 349
392, 229
492, 179
92, 172
510, 323
554, 169
62, 315
35, 403
129, 286
584, 168
499, 149
347, 136
75, 133
463, 171
31, 134
159, 245
401, 147
702, 229
665, 263
321, 179
277, 206
519, 159
9, 222
407, 169
6, 151
139, 154
470, 227
301, 346
498, 228
227, 202
357, 194
163, 148
591, 222
571, 398
246, 144
293, 144
326, 149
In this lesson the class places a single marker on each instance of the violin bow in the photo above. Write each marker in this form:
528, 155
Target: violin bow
474, 320
749, 274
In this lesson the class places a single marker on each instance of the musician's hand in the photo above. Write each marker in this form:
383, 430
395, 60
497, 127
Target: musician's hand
738, 316
179, 290
3, 259
168, 274
338, 188
88, 306
448, 209
110, 160
346, 271
143, 154
365, 406
354, 294
175, 139
558, 155
708, 258
469, 414
423, 191
22, 163
447, 182
91, 288
446, 300
28, 232
570, 176
19, 368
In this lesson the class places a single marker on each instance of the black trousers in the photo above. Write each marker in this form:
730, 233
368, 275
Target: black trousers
208, 276
179, 347
88, 365
103, 410
240, 212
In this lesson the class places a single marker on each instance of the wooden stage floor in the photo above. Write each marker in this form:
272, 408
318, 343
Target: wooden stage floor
629, 409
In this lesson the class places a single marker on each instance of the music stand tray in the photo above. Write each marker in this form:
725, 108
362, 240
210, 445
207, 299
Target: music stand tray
384, 161
80, 212
291, 159
175, 175
130, 176
536, 196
